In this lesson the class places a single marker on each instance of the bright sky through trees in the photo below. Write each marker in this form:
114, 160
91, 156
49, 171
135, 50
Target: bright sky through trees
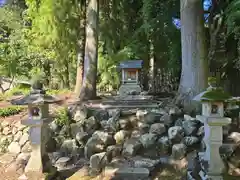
206, 5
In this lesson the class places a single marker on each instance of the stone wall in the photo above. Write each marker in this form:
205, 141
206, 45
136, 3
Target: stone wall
137, 142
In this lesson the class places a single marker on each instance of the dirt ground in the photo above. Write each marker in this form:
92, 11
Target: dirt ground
8, 175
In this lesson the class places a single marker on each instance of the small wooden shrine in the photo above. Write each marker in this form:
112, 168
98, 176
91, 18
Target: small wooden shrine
130, 72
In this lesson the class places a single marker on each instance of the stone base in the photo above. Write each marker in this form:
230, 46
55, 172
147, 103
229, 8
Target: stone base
127, 89
35, 162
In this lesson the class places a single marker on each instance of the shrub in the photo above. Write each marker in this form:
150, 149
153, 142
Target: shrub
62, 117
11, 110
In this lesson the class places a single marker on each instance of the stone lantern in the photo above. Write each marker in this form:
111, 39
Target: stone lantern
213, 118
38, 118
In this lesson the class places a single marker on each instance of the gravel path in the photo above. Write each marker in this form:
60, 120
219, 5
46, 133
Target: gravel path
8, 175
16, 174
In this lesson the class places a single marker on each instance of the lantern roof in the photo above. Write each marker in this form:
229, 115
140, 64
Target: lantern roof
37, 96
213, 93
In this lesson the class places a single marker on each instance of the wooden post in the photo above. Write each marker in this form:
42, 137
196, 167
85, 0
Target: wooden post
137, 76
123, 76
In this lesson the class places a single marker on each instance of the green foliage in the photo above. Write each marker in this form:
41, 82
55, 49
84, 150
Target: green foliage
4, 145
62, 117
43, 36
107, 68
233, 17
11, 110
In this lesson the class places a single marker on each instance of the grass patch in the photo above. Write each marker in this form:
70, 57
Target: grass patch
11, 110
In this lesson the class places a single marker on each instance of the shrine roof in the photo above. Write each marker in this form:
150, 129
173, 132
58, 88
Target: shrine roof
131, 64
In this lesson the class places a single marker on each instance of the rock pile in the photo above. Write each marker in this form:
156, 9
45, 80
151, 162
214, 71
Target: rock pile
136, 142
230, 154
125, 139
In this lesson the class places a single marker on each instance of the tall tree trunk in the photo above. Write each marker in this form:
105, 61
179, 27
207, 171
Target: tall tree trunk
66, 75
152, 69
81, 49
47, 71
194, 53
88, 90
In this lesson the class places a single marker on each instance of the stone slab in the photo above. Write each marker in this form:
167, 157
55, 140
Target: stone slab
127, 172
125, 89
129, 106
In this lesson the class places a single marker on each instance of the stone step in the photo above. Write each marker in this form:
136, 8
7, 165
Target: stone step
128, 106
129, 173
130, 102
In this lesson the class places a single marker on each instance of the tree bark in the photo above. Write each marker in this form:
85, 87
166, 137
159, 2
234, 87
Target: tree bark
66, 75
194, 52
152, 69
81, 49
88, 90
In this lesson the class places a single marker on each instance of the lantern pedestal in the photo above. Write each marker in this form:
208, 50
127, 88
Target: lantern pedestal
213, 140
38, 136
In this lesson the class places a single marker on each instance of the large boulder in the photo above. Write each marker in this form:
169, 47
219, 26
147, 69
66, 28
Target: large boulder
80, 114
175, 134
99, 161
192, 142
125, 124
94, 145
191, 127
114, 150
179, 122
147, 116
164, 145
179, 151
226, 151
121, 136
91, 124
148, 140
131, 147
14, 148
143, 127
82, 137
101, 115
112, 122
167, 120
76, 128
158, 129
141, 114
70, 147
104, 137
235, 158
150, 164
234, 137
